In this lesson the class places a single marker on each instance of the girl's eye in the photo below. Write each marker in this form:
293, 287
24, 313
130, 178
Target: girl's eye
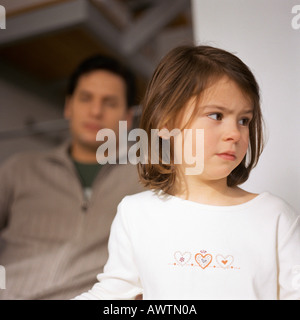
244, 121
216, 116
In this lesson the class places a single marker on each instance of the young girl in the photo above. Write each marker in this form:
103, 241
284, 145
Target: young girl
200, 236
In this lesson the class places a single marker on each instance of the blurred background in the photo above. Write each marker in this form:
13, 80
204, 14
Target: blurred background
44, 40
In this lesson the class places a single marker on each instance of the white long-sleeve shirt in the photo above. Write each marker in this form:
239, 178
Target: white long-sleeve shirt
179, 249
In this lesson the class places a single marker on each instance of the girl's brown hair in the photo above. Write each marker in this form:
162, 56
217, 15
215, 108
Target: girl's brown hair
185, 72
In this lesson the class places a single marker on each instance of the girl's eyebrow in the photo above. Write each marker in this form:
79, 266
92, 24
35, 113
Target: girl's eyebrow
222, 108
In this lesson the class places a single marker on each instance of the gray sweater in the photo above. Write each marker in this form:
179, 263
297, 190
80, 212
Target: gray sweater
53, 242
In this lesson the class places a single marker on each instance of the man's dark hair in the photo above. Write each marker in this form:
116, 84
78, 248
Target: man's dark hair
102, 62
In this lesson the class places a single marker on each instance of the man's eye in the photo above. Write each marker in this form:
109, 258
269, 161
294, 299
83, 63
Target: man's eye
110, 104
84, 98
216, 116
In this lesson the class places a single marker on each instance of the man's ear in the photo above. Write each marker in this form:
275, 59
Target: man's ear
68, 108
130, 114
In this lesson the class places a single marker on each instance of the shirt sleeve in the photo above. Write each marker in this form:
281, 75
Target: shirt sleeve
120, 277
289, 260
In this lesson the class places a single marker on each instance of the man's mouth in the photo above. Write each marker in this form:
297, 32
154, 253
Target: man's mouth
92, 126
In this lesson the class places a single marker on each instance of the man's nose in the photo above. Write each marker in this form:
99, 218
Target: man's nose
96, 109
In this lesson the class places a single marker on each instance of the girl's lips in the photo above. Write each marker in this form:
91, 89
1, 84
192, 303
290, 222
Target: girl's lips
227, 156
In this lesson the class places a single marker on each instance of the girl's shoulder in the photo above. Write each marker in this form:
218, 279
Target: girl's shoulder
276, 202
265, 203
144, 198
139, 207
287, 218
269, 202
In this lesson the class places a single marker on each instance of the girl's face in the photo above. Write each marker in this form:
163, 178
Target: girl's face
224, 113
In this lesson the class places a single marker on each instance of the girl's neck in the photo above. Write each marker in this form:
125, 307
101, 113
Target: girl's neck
213, 193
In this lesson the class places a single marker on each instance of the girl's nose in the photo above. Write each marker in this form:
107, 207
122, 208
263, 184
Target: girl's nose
232, 132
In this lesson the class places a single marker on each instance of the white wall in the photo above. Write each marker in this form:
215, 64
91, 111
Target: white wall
260, 33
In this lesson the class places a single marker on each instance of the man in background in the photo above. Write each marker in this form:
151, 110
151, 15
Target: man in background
56, 208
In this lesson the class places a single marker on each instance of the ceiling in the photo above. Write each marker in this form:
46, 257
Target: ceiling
45, 39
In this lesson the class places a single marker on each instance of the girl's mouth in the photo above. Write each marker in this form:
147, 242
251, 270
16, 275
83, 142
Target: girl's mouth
227, 156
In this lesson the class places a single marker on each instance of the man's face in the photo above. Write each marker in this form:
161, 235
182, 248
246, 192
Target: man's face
98, 102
